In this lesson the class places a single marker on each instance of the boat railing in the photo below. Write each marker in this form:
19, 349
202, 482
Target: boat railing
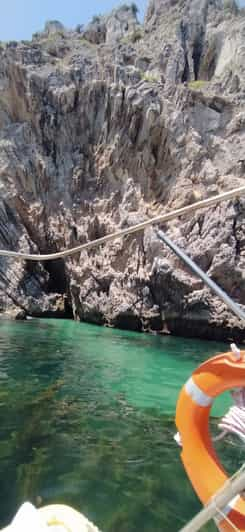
216, 508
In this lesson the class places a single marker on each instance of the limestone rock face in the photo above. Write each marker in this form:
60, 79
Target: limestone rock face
105, 127
110, 29
122, 22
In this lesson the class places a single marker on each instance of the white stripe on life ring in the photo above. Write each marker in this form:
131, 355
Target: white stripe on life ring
227, 509
197, 395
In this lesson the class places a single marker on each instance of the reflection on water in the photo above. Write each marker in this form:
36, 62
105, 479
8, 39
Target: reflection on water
87, 419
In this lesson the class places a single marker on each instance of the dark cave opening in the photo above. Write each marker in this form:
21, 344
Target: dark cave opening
57, 276
58, 283
184, 38
186, 73
197, 54
68, 309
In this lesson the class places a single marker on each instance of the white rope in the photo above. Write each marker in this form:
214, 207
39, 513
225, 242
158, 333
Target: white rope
220, 436
234, 193
234, 420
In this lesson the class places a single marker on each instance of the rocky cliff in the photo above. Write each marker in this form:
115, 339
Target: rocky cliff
105, 126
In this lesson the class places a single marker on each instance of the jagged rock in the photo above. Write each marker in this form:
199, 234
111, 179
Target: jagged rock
110, 29
95, 32
101, 132
120, 23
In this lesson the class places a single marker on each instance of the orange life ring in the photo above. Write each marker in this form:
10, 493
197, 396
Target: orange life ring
200, 460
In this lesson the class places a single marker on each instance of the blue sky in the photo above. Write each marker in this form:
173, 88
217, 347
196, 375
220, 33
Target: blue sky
20, 18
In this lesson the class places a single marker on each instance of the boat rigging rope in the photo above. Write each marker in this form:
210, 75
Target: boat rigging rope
234, 193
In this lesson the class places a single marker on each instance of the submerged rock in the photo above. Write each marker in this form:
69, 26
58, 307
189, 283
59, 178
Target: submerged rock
105, 127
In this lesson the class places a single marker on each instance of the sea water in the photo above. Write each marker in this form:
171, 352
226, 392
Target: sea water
87, 419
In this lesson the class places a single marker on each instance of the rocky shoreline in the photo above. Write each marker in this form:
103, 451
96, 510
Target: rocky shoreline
106, 126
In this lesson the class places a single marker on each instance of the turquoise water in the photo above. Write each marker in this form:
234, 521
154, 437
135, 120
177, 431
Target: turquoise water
87, 419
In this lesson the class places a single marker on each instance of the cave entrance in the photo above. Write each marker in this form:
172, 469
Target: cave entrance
58, 283
197, 54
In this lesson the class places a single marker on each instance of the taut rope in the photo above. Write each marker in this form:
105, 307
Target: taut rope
139, 227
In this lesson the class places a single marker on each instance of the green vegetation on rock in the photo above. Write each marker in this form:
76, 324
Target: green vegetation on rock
197, 85
152, 78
